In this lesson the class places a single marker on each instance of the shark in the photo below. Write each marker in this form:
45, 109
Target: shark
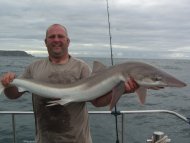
102, 80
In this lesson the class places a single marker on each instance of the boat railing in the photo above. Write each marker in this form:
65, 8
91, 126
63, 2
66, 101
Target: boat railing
121, 113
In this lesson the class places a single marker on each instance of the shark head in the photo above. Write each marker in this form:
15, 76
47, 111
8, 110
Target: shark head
149, 76
159, 79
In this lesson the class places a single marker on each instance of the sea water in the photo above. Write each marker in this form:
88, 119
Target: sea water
138, 127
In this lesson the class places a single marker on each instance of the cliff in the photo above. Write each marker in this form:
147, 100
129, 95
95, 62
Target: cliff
14, 53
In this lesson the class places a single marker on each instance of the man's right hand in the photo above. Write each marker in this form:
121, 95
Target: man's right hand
7, 78
12, 91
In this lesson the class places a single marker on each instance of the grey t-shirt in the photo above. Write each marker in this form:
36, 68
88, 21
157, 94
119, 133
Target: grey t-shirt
60, 124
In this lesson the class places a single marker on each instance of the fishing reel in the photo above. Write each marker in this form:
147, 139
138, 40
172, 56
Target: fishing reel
159, 137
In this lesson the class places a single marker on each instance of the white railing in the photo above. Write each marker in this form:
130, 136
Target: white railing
121, 113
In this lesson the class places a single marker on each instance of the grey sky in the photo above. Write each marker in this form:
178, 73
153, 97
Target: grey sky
140, 28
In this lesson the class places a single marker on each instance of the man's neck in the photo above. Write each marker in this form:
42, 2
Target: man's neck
59, 60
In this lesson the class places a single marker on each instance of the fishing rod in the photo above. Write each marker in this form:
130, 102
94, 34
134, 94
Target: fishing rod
110, 37
115, 112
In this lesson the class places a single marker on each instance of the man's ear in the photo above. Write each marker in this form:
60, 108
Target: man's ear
45, 40
68, 40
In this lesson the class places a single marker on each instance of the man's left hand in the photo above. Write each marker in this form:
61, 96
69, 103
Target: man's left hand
131, 86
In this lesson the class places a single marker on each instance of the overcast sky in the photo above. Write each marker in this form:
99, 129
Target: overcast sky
139, 28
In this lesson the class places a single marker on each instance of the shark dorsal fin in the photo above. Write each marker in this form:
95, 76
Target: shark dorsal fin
98, 67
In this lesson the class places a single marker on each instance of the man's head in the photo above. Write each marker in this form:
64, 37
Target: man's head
57, 41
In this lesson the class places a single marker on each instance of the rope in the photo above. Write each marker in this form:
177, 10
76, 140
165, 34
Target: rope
165, 139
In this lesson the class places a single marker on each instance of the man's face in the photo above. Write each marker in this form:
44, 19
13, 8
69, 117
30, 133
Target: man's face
57, 41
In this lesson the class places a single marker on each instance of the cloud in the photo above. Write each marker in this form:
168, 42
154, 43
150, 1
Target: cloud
145, 27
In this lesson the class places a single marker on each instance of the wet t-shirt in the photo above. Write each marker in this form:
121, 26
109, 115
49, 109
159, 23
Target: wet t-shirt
60, 124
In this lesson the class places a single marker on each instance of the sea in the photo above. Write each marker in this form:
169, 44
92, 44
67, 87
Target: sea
138, 127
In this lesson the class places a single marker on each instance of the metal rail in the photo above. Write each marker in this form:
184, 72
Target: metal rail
122, 113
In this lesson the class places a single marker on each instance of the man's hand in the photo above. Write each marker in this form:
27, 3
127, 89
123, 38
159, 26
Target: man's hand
7, 78
131, 86
10, 92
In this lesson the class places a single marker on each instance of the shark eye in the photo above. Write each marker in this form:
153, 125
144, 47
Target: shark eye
157, 78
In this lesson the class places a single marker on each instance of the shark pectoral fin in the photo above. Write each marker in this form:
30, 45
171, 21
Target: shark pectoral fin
59, 102
117, 91
142, 92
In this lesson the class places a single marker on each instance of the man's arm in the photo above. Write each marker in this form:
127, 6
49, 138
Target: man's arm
105, 100
11, 92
